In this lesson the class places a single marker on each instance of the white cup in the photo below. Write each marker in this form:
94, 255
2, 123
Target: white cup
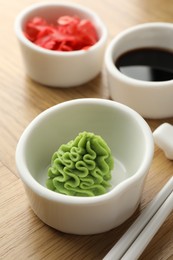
131, 142
57, 68
150, 99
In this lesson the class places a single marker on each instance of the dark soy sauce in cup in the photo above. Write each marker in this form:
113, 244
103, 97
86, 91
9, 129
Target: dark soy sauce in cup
148, 64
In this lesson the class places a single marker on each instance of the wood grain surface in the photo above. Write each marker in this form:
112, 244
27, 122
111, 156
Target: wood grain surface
22, 234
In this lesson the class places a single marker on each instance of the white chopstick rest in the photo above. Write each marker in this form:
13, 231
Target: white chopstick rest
137, 237
163, 137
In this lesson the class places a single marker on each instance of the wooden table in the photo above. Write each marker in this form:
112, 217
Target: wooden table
23, 235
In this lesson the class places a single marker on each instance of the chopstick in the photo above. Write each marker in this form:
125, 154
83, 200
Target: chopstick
137, 237
150, 230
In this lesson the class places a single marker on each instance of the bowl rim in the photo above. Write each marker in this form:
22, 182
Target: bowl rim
42, 191
21, 37
109, 62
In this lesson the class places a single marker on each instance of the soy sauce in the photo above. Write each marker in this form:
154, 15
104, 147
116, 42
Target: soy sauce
148, 64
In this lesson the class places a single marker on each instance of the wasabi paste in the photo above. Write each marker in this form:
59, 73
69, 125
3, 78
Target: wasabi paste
82, 167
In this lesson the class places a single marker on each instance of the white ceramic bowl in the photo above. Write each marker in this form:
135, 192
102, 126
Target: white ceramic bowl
150, 99
57, 68
131, 142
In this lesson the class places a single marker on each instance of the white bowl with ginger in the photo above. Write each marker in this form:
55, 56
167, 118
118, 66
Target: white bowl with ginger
60, 68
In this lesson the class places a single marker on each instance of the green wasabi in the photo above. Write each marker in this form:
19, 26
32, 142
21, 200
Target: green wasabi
82, 167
